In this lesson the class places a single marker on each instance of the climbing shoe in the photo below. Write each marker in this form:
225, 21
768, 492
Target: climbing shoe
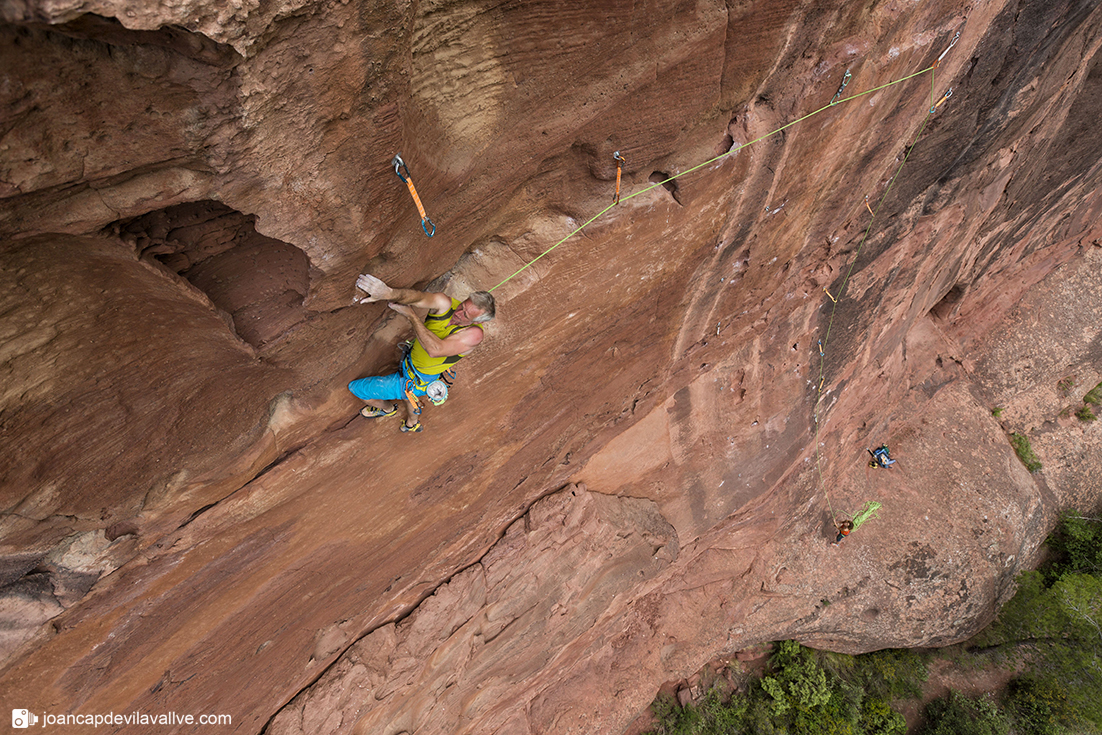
412, 429
370, 412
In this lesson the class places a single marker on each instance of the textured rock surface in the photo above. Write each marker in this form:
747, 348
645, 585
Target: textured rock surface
570, 562
625, 484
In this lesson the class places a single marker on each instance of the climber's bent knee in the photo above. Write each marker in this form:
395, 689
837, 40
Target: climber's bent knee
378, 387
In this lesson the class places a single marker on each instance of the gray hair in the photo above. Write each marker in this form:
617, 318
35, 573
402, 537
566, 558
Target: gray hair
484, 302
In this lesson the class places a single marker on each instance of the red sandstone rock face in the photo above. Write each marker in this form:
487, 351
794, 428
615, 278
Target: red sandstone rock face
624, 485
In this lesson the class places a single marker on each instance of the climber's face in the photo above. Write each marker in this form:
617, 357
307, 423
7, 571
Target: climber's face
465, 315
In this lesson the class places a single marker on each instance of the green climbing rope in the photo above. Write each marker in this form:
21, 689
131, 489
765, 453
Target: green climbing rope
870, 507
841, 289
833, 103
869, 511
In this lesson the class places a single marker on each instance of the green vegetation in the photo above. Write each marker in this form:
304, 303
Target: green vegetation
959, 715
997, 411
1066, 384
1054, 624
1093, 397
1051, 629
806, 692
1037, 707
1025, 452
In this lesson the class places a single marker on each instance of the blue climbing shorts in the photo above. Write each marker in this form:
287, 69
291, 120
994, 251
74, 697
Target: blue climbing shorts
382, 388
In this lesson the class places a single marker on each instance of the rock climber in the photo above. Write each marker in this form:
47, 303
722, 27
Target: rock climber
881, 457
450, 330
844, 529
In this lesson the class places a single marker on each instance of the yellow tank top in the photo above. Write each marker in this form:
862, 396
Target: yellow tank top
438, 325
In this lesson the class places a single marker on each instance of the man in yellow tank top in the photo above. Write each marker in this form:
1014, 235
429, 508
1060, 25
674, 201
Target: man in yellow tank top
450, 330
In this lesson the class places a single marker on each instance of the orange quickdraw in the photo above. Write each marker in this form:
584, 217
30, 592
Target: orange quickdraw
620, 161
944, 98
426, 223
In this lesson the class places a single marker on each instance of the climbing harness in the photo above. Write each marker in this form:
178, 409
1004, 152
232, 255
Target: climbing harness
435, 389
845, 81
399, 165
620, 161
880, 457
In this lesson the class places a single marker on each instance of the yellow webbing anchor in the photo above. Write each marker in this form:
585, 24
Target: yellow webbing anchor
620, 161
426, 223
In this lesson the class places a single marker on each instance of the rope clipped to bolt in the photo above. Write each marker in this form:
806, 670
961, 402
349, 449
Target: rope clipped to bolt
836, 100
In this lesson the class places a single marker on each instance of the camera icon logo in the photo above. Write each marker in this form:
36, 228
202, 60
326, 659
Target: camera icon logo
23, 718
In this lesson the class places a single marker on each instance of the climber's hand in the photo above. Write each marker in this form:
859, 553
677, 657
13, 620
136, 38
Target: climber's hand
375, 288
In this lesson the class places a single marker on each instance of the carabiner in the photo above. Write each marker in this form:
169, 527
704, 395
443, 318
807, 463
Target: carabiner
944, 98
845, 81
951, 45
399, 164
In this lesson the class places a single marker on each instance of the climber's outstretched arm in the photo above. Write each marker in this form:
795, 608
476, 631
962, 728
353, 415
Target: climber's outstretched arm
437, 303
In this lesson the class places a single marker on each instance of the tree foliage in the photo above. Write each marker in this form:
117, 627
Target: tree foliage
959, 715
1077, 545
1055, 621
799, 685
1037, 707
803, 692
